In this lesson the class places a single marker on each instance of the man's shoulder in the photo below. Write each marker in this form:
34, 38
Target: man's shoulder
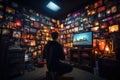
53, 43
58, 43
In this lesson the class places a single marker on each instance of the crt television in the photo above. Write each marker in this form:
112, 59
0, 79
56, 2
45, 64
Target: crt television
84, 39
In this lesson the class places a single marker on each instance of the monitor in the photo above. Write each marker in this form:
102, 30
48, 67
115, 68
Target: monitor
27, 57
84, 39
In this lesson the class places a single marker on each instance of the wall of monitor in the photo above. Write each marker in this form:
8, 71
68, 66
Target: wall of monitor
31, 30
24, 27
103, 19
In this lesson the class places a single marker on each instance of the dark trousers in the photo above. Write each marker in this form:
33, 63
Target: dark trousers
63, 68
54, 72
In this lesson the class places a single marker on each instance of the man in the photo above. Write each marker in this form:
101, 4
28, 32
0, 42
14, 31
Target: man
54, 54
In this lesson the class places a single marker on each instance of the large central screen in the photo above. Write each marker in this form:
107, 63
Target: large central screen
83, 39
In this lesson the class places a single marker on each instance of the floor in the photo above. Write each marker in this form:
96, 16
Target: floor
39, 73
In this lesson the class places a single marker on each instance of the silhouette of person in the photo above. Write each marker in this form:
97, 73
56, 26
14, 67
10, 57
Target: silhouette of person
54, 54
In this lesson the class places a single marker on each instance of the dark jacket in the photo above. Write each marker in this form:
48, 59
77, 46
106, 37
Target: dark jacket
53, 52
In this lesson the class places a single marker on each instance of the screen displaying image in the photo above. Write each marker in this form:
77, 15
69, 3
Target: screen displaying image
96, 35
114, 9
68, 27
36, 25
76, 29
32, 43
101, 9
94, 42
103, 25
16, 34
113, 28
27, 57
76, 23
32, 30
101, 15
72, 25
81, 28
82, 39
10, 10
95, 29
4, 31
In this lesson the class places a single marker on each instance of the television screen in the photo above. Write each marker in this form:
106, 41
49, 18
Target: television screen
83, 39
16, 34
32, 43
101, 15
96, 35
101, 9
76, 29
94, 42
27, 57
68, 27
5, 31
76, 24
113, 28
10, 10
36, 24
95, 29
103, 25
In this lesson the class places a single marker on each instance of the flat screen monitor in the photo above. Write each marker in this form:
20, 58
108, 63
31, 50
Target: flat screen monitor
84, 39
113, 28
27, 57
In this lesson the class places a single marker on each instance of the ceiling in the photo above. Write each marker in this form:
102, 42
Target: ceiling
67, 6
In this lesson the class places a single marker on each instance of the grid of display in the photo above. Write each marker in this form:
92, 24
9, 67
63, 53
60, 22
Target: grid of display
30, 28
101, 17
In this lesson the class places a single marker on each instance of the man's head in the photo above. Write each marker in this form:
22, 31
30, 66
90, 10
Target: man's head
54, 35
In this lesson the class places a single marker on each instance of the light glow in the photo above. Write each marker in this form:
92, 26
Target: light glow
53, 6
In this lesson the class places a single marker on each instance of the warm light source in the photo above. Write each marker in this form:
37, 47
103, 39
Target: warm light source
102, 44
107, 48
51, 5
34, 54
32, 43
62, 26
113, 28
18, 23
1, 16
95, 29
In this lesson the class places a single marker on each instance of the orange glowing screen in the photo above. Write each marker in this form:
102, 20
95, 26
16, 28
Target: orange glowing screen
102, 44
100, 9
95, 29
98, 3
94, 42
113, 28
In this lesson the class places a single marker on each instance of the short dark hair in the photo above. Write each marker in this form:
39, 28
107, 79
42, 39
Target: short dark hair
54, 35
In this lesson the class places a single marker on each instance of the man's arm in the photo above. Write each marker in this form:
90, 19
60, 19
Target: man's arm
61, 53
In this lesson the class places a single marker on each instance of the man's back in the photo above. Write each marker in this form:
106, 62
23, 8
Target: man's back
53, 53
